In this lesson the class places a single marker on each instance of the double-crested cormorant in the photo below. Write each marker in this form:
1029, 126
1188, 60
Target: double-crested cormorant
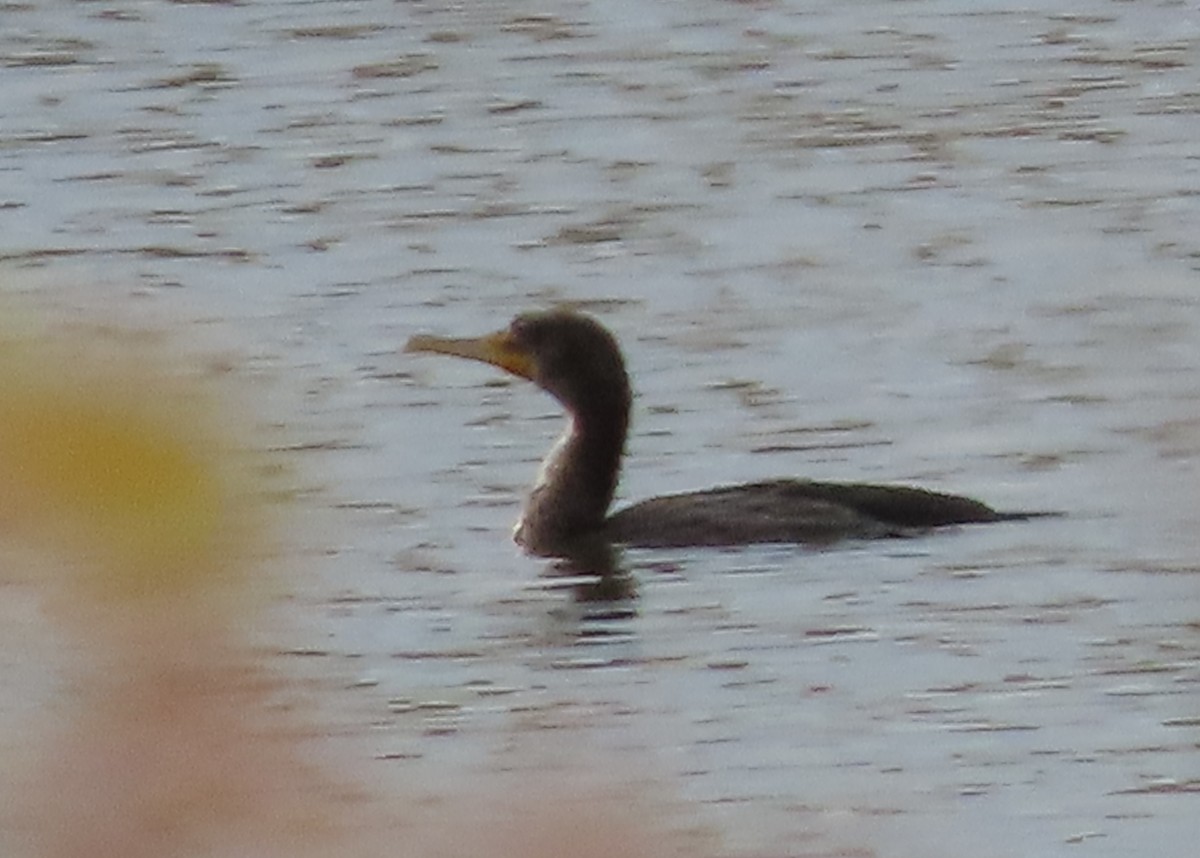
578, 362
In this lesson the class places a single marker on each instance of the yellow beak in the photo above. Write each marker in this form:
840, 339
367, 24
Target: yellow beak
498, 349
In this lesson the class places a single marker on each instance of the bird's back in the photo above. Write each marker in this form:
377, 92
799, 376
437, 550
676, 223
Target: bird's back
792, 511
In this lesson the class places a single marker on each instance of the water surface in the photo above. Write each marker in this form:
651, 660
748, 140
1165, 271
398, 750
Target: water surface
938, 242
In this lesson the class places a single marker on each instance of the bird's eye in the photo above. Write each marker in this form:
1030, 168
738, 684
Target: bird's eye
524, 330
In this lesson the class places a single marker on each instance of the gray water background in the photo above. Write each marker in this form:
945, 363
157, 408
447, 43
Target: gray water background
952, 243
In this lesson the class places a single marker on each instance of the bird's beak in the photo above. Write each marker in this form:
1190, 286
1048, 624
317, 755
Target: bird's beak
498, 349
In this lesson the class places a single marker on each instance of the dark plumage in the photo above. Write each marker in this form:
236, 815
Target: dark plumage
576, 360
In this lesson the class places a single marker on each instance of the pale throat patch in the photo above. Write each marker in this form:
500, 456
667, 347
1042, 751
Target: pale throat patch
544, 477
546, 469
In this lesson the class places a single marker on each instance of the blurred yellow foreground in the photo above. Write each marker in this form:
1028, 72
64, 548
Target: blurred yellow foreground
118, 471
121, 464
131, 506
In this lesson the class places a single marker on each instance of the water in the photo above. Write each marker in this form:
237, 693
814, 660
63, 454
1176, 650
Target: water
930, 242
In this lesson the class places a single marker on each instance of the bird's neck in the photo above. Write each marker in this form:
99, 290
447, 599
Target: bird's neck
577, 481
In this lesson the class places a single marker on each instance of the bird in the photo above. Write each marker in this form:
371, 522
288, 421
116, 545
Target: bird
576, 360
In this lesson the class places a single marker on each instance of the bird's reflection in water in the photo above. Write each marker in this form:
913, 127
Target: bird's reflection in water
592, 568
